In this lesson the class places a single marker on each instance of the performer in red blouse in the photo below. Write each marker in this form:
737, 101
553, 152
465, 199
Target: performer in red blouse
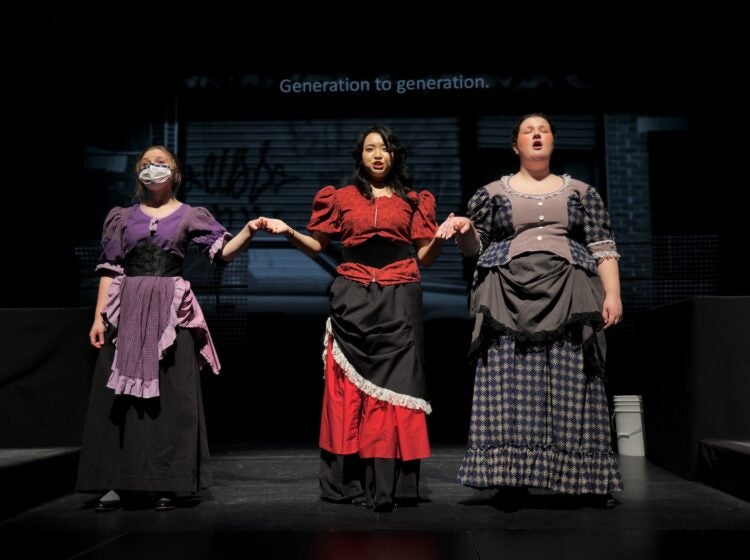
373, 431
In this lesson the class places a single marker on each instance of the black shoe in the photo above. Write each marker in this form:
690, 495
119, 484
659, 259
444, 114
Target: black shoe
384, 507
510, 498
602, 501
407, 502
109, 505
164, 504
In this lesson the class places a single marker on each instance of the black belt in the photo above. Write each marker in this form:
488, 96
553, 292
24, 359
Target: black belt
376, 252
146, 259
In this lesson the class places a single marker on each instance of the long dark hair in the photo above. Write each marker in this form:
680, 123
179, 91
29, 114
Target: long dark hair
399, 178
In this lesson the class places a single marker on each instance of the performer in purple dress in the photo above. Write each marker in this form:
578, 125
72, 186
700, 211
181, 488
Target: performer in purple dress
145, 432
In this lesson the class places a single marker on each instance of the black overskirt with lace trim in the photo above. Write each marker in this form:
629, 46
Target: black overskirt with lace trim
538, 297
379, 329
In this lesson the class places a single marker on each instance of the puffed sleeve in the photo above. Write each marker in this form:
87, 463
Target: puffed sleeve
111, 259
423, 222
207, 233
325, 217
600, 239
479, 211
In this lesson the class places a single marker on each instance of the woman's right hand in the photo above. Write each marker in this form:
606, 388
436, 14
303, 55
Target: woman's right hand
96, 334
275, 226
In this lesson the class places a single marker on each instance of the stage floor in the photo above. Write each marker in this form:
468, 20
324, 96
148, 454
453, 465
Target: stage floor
265, 505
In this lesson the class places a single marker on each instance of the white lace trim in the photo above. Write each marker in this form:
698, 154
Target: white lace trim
505, 181
366, 386
601, 255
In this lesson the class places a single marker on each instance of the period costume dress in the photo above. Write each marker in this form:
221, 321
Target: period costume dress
145, 428
375, 398
540, 415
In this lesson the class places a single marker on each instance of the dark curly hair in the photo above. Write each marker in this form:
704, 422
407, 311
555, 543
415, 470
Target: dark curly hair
399, 178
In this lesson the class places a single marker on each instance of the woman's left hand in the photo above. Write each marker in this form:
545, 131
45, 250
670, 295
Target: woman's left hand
274, 226
453, 225
611, 311
255, 225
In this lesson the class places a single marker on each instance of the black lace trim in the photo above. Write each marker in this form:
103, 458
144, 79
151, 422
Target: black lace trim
491, 329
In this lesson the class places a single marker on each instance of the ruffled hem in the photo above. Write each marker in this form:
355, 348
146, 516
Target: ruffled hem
366, 386
541, 467
540, 299
123, 385
185, 312
491, 328
595, 362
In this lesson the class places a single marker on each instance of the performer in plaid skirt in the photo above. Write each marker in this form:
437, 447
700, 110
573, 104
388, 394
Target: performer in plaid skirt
545, 287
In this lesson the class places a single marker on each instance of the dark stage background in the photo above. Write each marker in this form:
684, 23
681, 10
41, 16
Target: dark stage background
250, 146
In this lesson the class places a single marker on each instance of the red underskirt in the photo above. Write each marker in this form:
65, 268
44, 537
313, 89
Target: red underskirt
354, 422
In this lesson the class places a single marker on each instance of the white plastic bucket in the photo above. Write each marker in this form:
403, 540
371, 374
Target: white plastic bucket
628, 417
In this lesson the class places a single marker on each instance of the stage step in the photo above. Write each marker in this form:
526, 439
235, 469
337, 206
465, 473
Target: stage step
31, 476
725, 464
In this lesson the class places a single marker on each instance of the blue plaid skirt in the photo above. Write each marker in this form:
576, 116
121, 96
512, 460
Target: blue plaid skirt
540, 416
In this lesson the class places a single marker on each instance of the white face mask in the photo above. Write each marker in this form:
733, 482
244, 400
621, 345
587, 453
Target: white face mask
155, 175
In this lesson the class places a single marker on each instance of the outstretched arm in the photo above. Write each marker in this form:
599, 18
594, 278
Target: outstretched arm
239, 242
467, 237
311, 245
429, 250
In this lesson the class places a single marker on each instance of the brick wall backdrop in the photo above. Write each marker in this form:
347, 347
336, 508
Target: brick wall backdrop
629, 204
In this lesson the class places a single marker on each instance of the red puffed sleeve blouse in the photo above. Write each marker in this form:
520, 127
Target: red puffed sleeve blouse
346, 214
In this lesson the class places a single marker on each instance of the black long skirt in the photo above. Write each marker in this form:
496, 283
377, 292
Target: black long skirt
148, 445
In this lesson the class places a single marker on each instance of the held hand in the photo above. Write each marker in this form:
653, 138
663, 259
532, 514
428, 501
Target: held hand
611, 311
275, 226
452, 225
445, 230
96, 334
461, 224
255, 225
